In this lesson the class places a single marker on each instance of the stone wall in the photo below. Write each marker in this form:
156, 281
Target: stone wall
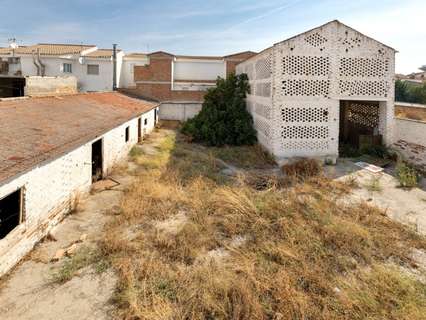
50, 189
49, 86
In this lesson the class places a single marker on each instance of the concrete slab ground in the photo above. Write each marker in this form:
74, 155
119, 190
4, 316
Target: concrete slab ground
382, 189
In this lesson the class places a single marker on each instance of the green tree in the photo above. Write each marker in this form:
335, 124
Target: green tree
223, 119
401, 91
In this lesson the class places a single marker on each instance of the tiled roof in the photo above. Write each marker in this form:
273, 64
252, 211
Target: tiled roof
48, 49
101, 53
38, 129
136, 55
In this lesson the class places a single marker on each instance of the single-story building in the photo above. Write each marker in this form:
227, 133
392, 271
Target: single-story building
52, 149
322, 89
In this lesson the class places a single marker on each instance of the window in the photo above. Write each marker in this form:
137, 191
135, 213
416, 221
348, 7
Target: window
127, 134
67, 68
145, 122
93, 69
10, 213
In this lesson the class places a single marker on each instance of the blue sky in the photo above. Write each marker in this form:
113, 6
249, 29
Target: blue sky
212, 27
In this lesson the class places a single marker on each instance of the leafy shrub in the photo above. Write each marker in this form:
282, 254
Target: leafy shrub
224, 120
405, 92
407, 176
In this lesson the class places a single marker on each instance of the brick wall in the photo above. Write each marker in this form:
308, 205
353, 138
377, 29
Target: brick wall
49, 189
153, 81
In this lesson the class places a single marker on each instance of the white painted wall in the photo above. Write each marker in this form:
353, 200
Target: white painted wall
180, 111
49, 189
412, 131
127, 79
199, 69
86, 82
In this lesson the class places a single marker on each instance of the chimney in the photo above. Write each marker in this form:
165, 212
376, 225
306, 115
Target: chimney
114, 67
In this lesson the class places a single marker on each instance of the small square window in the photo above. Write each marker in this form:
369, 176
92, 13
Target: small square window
93, 69
127, 134
67, 68
10, 213
145, 122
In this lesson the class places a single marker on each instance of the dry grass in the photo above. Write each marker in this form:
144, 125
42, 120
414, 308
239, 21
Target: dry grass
293, 252
246, 157
302, 168
411, 113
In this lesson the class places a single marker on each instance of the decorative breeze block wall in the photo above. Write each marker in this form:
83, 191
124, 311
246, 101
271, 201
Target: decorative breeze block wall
297, 86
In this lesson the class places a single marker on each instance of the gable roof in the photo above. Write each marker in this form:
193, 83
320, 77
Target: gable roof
331, 22
49, 49
36, 130
319, 27
101, 53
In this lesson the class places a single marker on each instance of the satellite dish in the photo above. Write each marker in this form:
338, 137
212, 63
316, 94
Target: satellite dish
81, 60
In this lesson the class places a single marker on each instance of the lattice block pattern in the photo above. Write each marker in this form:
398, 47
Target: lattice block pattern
350, 42
306, 65
310, 74
316, 39
262, 126
303, 87
304, 115
263, 110
364, 114
304, 132
378, 88
263, 89
313, 145
363, 67
263, 68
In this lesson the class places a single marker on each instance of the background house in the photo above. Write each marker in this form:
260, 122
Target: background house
322, 89
92, 67
178, 82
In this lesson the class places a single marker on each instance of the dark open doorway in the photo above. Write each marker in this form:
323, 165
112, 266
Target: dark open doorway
139, 129
12, 87
359, 124
10, 213
97, 160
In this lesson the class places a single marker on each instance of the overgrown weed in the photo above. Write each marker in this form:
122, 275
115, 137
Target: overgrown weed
305, 254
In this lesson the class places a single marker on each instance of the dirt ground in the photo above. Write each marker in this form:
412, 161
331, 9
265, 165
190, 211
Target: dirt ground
29, 293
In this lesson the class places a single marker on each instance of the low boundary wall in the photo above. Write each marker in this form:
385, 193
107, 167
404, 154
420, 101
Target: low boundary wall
180, 111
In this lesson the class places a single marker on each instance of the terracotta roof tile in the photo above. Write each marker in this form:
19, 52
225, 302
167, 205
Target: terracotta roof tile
38, 129
101, 53
48, 49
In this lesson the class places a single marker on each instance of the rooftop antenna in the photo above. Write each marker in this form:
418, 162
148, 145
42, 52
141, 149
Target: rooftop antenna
147, 48
12, 43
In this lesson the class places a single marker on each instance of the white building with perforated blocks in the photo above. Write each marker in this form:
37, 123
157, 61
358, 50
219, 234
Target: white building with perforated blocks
316, 91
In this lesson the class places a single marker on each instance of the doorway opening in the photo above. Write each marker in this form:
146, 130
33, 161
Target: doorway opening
359, 124
97, 160
10, 212
139, 129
